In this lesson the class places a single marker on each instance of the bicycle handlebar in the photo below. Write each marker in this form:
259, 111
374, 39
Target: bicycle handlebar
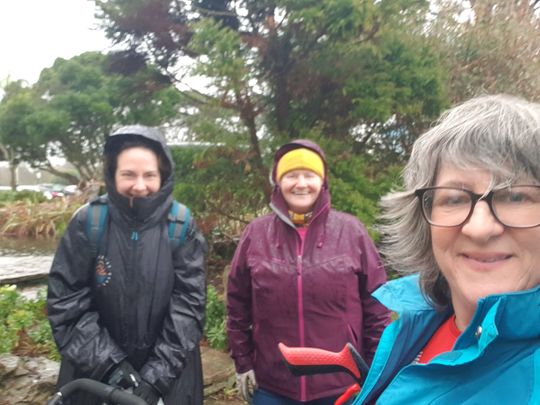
103, 391
309, 360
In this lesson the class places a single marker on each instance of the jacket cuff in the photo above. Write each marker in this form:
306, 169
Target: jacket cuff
102, 372
243, 364
160, 383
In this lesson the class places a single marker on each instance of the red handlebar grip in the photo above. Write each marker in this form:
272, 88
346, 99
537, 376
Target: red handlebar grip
307, 356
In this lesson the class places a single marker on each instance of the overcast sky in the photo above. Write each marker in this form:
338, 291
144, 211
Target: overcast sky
33, 33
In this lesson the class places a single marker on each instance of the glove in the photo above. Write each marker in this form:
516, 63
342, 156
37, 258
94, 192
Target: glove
147, 392
246, 384
124, 376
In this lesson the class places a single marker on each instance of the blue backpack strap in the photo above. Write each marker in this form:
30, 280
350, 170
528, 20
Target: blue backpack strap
95, 223
178, 219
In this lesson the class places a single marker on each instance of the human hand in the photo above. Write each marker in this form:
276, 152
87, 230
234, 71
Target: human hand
124, 375
246, 384
147, 392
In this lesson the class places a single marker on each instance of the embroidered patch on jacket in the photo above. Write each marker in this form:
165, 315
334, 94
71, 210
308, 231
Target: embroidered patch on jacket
103, 271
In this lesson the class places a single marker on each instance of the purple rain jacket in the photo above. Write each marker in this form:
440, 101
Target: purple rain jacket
311, 294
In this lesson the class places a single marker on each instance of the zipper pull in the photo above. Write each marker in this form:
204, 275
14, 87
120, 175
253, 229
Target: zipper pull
134, 236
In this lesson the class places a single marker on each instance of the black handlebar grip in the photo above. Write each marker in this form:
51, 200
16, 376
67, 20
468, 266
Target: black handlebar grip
103, 391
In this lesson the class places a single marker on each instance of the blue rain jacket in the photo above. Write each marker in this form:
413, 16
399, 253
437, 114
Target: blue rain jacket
496, 360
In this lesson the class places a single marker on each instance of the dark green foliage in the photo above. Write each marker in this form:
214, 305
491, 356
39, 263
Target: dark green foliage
215, 319
357, 72
218, 183
357, 182
352, 191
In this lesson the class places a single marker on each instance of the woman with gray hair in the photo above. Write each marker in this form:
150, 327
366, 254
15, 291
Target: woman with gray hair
468, 222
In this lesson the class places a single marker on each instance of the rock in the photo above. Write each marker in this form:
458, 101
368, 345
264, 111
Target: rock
18, 269
27, 380
217, 365
8, 364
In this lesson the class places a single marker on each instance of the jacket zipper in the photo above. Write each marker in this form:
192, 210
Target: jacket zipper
299, 253
134, 242
301, 325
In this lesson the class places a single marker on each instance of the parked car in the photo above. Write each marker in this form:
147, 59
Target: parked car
71, 189
51, 191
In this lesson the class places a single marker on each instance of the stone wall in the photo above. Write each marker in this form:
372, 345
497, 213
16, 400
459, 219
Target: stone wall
32, 380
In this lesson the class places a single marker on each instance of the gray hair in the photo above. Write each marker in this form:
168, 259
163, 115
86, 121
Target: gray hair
499, 133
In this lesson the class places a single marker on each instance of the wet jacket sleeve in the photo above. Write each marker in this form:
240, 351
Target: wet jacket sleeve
239, 319
376, 316
183, 325
72, 315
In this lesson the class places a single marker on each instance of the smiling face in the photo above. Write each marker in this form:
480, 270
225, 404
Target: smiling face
300, 188
137, 173
482, 256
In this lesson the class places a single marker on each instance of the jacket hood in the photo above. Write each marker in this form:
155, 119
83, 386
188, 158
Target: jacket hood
143, 208
278, 203
403, 294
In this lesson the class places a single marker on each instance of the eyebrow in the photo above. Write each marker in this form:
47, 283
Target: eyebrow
128, 171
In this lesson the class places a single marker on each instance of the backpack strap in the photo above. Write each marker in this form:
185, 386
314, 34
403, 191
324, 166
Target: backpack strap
95, 223
179, 216
178, 219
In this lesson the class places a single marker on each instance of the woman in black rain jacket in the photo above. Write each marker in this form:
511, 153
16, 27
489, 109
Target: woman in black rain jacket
131, 314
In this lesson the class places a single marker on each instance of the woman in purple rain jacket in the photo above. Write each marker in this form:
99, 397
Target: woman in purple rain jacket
302, 275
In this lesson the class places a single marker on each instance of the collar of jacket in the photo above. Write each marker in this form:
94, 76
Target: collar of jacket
145, 212
495, 319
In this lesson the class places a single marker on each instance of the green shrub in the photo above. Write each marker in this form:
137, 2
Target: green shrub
26, 195
23, 324
214, 328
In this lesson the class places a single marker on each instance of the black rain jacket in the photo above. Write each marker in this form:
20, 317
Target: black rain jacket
135, 299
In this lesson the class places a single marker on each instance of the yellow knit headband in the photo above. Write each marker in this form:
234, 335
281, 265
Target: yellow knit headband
300, 158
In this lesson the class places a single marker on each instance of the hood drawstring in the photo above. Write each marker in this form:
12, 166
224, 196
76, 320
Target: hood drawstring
322, 237
321, 241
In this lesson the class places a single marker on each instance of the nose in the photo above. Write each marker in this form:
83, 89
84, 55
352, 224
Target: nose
301, 181
482, 224
139, 184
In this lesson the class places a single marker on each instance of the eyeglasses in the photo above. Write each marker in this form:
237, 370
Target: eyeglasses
513, 206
